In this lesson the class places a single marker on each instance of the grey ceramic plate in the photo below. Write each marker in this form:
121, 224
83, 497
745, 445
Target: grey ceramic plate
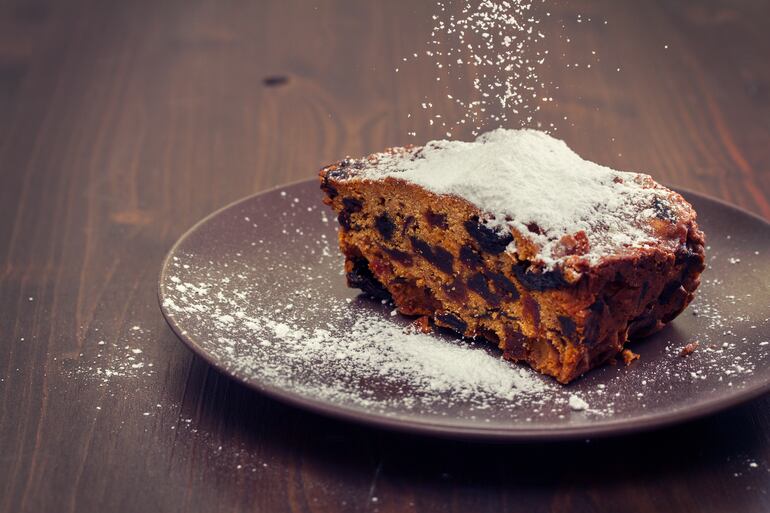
256, 290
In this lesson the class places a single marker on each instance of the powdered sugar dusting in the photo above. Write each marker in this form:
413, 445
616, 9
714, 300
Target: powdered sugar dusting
577, 403
497, 47
376, 346
521, 177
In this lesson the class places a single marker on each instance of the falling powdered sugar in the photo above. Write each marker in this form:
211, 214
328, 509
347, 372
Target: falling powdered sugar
497, 47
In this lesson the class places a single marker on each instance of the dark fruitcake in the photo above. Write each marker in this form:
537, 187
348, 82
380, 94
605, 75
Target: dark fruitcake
515, 238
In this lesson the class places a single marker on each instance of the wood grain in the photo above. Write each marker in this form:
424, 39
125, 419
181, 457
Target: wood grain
122, 123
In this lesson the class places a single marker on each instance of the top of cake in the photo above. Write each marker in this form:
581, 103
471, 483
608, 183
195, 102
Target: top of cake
535, 186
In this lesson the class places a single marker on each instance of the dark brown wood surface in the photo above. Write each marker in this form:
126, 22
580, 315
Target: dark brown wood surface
122, 123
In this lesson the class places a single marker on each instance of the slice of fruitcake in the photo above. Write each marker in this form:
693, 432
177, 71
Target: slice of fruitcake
515, 238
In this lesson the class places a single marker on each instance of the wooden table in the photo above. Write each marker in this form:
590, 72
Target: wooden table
122, 123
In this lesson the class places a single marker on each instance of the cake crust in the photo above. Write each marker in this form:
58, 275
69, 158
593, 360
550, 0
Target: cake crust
436, 255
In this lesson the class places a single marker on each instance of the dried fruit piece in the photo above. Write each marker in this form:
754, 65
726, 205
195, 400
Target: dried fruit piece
629, 356
689, 349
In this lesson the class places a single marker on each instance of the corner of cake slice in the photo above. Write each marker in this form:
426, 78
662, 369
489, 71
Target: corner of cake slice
514, 238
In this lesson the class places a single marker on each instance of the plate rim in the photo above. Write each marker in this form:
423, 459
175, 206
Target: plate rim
474, 433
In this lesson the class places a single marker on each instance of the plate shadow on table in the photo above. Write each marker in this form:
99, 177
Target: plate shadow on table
324, 453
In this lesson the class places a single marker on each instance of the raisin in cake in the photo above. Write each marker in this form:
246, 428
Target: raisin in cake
515, 238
